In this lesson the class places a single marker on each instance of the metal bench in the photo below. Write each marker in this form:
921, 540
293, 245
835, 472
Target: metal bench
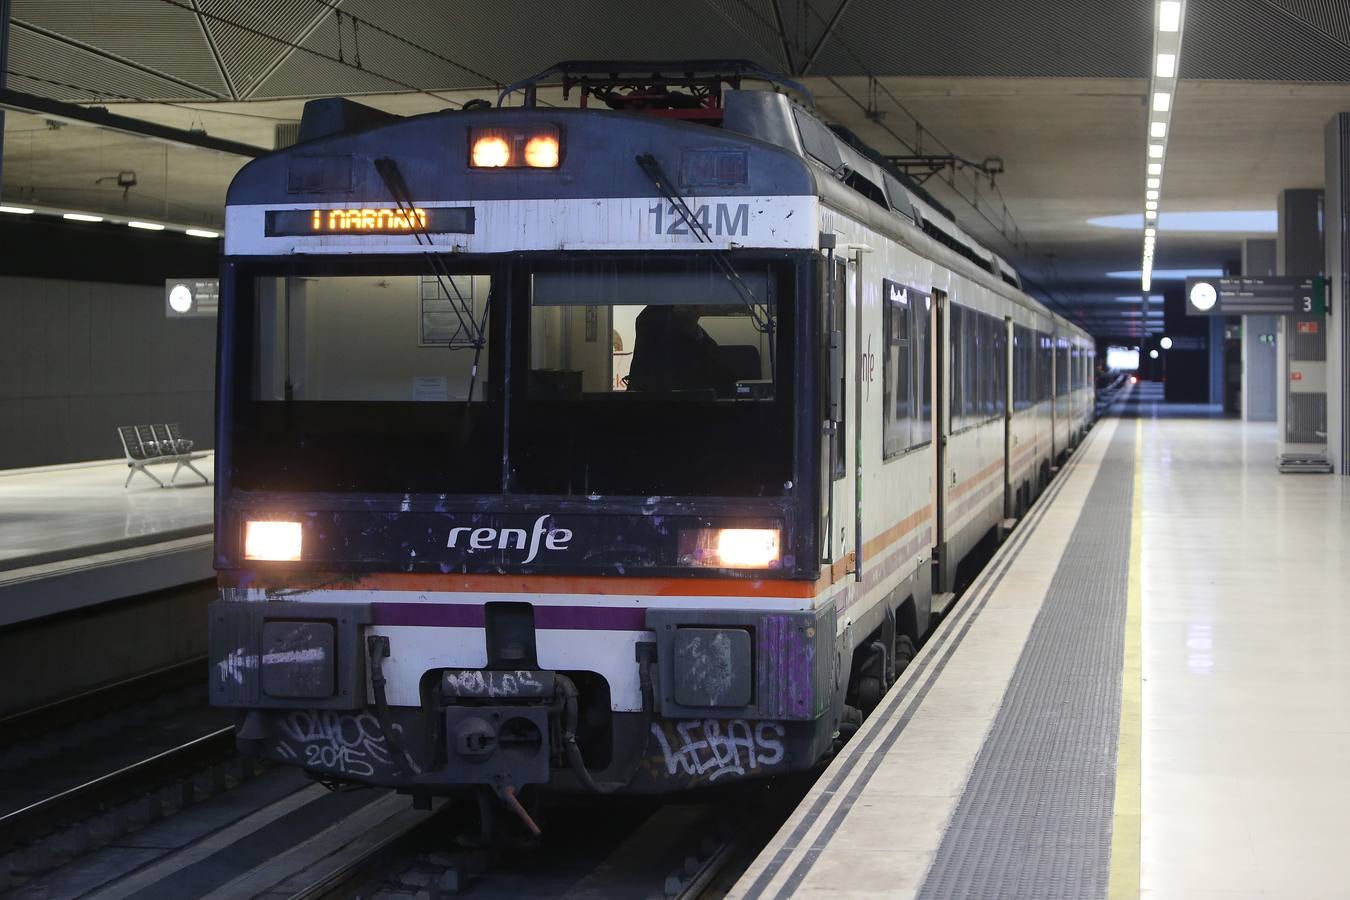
148, 445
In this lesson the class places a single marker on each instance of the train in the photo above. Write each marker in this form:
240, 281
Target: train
631, 445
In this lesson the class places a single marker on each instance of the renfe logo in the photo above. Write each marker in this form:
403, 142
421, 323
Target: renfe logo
503, 538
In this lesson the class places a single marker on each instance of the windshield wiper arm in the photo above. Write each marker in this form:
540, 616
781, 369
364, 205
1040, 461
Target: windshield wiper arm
760, 314
398, 188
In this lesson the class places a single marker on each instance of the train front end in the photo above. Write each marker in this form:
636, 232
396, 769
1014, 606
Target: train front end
520, 455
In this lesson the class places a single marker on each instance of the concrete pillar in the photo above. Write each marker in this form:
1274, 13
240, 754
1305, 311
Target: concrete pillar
1337, 268
4, 68
1259, 360
1298, 250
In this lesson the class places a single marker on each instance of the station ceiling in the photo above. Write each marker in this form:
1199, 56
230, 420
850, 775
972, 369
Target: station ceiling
1056, 89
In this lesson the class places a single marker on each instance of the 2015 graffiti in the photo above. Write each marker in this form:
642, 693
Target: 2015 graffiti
352, 744
718, 748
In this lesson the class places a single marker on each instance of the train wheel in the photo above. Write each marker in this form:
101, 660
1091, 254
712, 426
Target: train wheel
903, 655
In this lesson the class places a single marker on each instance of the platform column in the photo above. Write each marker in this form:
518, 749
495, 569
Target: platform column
1259, 363
4, 67
1338, 274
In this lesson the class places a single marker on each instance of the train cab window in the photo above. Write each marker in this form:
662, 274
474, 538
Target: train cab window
651, 375
367, 377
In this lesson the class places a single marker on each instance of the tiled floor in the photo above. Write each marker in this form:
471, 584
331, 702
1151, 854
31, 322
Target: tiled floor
1246, 643
1245, 635
46, 511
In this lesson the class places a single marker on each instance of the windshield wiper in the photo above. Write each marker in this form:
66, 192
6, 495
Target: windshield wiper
476, 330
761, 316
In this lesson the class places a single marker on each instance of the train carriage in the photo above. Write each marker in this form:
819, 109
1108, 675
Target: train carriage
627, 449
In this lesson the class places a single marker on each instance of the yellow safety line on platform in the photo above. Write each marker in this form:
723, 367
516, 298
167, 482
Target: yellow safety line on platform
1126, 821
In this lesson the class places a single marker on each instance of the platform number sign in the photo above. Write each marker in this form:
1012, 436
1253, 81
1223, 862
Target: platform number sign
1272, 295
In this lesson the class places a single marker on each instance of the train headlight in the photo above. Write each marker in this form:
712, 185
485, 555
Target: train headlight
541, 152
527, 146
730, 548
277, 541
491, 151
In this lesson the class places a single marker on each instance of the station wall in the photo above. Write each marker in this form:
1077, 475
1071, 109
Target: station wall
79, 358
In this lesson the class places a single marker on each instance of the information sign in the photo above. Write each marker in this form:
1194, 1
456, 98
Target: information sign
1271, 295
191, 297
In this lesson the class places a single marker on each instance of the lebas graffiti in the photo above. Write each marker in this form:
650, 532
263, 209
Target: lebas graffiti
719, 748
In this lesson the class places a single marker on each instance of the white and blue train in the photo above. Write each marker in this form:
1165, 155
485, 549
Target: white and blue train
603, 449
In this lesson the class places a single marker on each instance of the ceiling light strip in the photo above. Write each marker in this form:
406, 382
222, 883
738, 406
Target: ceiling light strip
1168, 20
110, 219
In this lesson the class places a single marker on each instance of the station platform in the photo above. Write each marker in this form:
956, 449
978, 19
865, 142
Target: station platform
72, 536
1142, 695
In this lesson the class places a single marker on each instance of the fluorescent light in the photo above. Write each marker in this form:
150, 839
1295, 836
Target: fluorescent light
81, 217
1169, 15
1150, 204
203, 233
1153, 183
1162, 101
146, 226
17, 210
1146, 282
1150, 195
1155, 168
1150, 232
1252, 221
1172, 274
1155, 151
1150, 214
1167, 65
1157, 129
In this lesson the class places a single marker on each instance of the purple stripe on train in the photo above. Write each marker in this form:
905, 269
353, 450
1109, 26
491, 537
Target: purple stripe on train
470, 615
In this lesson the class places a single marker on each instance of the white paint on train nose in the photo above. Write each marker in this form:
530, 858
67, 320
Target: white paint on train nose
233, 666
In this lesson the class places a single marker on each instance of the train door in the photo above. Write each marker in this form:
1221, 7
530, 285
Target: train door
1010, 372
855, 292
836, 518
938, 353
1055, 448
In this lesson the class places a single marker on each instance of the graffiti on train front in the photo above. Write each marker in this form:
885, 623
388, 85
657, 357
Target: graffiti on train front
347, 743
717, 749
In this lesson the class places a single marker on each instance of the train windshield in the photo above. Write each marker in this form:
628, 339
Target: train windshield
647, 374
655, 374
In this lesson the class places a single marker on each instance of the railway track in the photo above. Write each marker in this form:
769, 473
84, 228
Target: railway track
78, 774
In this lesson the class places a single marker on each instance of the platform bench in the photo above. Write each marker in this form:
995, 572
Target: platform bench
148, 445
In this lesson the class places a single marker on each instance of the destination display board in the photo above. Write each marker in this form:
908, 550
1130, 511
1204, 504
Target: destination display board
434, 220
1270, 295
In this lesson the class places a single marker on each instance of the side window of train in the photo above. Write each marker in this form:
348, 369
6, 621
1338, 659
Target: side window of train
1024, 369
1045, 366
998, 332
896, 365
956, 388
923, 369
906, 375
